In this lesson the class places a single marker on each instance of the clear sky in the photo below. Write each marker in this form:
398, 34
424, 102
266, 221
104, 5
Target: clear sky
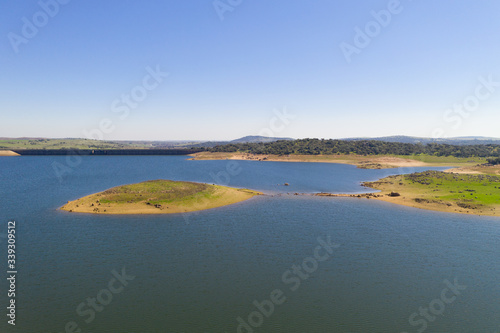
330, 68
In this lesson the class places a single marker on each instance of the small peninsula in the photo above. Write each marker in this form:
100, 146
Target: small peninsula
476, 194
159, 197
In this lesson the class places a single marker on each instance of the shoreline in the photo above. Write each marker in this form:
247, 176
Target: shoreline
362, 162
395, 189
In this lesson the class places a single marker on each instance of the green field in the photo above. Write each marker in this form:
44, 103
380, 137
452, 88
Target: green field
67, 144
475, 190
463, 193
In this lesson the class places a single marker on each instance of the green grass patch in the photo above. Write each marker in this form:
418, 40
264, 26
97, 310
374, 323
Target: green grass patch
157, 192
464, 189
67, 144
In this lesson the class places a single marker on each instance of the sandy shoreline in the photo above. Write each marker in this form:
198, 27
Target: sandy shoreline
477, 170
363, 162
408, 201
8, 153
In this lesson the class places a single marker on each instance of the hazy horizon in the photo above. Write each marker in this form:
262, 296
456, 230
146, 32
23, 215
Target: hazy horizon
240, 137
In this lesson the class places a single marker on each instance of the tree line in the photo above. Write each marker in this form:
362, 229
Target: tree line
494, 161
363, 147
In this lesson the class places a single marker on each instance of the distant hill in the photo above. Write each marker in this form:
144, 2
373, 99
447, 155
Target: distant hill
464, 140
245, 139
256, 138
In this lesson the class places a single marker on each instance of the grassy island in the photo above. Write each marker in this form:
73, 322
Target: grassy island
159, 197
450, 192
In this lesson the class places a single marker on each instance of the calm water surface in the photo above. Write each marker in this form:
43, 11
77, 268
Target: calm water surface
202, 272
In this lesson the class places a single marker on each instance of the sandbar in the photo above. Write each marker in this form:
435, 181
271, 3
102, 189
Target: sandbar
8, 153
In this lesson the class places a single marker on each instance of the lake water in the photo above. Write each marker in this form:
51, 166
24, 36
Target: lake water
384, 270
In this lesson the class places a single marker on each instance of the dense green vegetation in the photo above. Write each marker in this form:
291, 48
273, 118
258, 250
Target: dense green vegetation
368, 147
494, 161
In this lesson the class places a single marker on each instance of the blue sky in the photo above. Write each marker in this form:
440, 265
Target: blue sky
422, 73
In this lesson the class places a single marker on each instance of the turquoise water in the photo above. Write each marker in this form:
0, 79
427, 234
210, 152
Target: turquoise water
202, 272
